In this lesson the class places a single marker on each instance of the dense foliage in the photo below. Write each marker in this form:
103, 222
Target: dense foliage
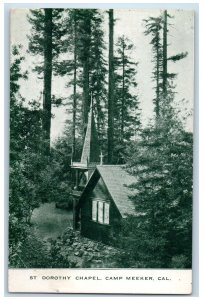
160, 236
34, 177
22, 194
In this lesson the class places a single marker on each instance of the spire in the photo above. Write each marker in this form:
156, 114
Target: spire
91, 151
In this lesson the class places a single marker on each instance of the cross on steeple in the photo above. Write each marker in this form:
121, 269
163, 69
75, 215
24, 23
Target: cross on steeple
101, 158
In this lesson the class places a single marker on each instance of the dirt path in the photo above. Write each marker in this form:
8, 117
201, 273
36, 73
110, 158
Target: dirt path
50, 222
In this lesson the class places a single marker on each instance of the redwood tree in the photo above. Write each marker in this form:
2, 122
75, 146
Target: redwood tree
126, 104
111, 88
44, 40
158, 29
47, 77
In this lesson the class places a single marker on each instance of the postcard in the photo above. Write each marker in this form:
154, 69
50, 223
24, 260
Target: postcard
101, 151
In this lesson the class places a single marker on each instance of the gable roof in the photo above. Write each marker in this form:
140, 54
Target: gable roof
117, 181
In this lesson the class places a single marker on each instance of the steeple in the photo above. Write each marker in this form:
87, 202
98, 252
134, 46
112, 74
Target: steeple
87, 165
90, 151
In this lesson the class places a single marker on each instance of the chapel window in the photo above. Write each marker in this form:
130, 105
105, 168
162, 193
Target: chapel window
100, 212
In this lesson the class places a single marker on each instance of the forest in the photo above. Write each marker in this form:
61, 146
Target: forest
78, 46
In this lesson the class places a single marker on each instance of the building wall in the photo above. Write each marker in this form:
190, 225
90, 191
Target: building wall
93, 229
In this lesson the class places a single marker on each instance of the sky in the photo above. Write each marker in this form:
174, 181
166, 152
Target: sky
129, 23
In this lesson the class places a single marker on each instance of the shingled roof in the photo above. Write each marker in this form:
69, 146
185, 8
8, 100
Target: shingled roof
117, 181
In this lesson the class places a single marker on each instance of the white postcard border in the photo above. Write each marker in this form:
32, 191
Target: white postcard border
98, 281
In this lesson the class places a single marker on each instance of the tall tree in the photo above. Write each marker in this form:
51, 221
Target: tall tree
85, 67
47, 76
111, 88
158, 28
126, 112
91, 57
74, 85
98, 73
165, 72
85, 28
153, 27
44, 40
72, 21
70, 66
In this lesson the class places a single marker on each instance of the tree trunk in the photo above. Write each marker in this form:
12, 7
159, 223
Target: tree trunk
86, 71
123, 93
157, 76
74, 90
98, 116
85, 94
47, 78
111, 90
165, 55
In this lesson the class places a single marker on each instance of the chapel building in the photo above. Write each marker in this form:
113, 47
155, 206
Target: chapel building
102, 192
